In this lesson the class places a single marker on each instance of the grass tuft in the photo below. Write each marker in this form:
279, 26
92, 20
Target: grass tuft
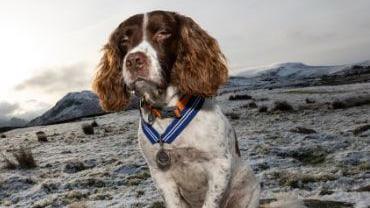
240, 97
25, 158
9, 164
282, 106
262, 109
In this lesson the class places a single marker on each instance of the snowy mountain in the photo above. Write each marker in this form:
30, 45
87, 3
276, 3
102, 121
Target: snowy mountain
72, 106
299, 70
297, 75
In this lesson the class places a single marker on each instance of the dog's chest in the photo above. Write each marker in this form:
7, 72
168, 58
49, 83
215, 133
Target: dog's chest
189, 173
186, 164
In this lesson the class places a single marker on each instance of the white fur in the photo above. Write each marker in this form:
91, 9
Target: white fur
146, 48
207, 167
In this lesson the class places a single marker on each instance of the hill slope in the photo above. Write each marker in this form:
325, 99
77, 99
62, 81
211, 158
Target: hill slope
72, 106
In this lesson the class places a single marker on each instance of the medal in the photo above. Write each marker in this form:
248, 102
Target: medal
163, 159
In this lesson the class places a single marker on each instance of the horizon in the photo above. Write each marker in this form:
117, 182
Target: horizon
52, 48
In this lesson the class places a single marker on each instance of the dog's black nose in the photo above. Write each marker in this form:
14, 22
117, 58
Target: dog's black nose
136, 61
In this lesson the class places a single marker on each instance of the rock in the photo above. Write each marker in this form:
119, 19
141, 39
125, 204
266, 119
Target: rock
87, 129
14, 184
358, 130
128, 169
41, 136
302, 130
74, 166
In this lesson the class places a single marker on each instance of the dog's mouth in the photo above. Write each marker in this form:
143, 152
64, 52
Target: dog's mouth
148, 90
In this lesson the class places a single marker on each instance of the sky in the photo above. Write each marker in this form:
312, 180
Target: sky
51, 47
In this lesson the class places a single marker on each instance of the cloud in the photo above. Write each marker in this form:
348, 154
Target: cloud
23, 109
58, 80
7, 109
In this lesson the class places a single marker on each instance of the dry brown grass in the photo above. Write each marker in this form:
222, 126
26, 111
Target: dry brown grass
9, 164
25, 158
41, 136
87, 128
262, 109
282, 106
350, 102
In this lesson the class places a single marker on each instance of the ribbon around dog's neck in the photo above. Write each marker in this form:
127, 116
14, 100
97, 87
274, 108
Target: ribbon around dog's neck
166, 111
178, 124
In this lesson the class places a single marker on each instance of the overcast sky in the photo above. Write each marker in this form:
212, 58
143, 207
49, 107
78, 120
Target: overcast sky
48, 48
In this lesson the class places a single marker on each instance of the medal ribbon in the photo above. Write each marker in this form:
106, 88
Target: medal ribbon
177, 125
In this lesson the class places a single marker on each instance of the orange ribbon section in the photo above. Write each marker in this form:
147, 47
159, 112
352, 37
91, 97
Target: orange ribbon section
180, 105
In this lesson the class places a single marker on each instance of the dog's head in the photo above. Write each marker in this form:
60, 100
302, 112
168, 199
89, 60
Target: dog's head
148, 52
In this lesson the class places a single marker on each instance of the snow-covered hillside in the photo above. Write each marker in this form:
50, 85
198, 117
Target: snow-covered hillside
297, 75
314, 150
73, 105
298, 70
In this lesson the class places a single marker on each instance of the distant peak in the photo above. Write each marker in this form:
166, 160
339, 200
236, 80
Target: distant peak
364, 63
289, 64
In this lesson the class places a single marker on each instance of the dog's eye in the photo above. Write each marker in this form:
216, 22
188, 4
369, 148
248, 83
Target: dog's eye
162, 34
124, 42
125, 39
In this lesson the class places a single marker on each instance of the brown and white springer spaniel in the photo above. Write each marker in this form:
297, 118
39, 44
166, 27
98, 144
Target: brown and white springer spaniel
162, 56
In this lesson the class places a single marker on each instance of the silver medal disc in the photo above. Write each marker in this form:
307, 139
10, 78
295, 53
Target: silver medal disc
163, 159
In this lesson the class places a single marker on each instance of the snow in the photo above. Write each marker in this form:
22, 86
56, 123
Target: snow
295, 70
116, 174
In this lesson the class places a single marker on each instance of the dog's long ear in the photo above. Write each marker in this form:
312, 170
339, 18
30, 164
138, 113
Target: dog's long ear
200, 67
108, 83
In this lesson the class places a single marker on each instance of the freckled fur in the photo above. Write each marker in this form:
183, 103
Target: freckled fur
201, 163
207, 170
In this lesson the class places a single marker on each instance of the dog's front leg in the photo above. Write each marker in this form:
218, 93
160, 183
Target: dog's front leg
168, 189
219, 173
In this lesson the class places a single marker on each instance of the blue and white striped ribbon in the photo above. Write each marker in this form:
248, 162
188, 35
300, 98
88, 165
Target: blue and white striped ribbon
177, 125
